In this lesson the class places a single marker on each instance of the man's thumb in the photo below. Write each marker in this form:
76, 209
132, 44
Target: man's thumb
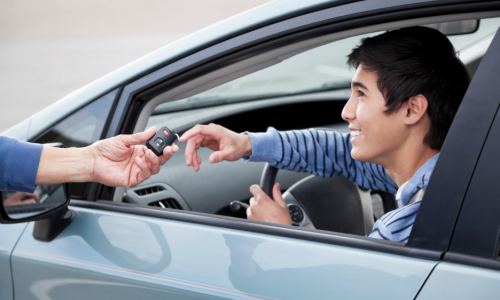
141, 137
278, 198
219, 156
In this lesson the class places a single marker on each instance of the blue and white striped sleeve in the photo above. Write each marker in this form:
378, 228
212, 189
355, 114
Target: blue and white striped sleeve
319, 152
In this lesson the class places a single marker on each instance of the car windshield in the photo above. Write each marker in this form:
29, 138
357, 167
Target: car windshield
320, 69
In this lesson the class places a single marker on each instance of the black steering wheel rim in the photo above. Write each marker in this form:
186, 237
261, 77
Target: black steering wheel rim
268, 179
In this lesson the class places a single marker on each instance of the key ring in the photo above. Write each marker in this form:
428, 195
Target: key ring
178, 138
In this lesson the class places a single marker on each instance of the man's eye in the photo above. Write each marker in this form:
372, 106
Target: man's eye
360, 93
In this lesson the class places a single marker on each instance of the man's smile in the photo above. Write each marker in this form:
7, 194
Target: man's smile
355, 133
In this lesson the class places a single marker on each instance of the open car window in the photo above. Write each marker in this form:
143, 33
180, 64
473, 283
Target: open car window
324, 68
305, 90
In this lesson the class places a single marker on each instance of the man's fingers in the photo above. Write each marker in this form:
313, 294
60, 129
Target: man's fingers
34, 195
139, 138
191, 147
219, 156
257, 192
18, 196
208, 130
167, 154
141, 163
28, 201
144, 172
153, 162
277, 196
195, 161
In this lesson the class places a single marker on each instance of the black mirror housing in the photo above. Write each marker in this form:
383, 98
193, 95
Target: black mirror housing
51, 217
21, 213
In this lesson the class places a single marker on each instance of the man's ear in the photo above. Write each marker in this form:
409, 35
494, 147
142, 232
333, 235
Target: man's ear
415, 107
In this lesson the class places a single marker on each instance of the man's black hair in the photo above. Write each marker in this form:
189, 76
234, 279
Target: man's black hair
413, 61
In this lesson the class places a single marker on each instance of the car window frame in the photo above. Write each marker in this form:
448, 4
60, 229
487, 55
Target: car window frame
475, 240
114, 96
136, 94
447, 193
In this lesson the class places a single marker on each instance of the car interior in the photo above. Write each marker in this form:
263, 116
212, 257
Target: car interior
297, 86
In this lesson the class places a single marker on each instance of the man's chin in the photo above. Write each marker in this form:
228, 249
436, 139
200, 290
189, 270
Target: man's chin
357, 155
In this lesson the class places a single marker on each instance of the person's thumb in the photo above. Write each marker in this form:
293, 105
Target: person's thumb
219, 156
278, 198
139, 138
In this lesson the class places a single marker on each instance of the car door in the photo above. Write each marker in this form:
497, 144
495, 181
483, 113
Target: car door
121, 251
471, 268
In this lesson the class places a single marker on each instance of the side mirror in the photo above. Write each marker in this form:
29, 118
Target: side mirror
48, 206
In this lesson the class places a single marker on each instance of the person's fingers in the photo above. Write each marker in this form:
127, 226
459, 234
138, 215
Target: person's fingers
218, 156
28, 201
34, 195
198, 159
249, 213
141, 163
209, 130
144, 172
277, 196
258, 193
195, 161
252, 201
17, 196
191, 147
138, 138
166, 155
153, 162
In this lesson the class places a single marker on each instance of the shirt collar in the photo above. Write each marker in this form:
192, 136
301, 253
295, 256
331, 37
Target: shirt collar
418, 181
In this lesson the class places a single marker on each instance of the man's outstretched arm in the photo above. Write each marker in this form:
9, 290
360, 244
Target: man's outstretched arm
322, 153
117, 161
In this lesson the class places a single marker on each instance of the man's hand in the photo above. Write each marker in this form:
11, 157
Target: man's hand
17, 199
228, 145
117, 161
122, 161
263, 208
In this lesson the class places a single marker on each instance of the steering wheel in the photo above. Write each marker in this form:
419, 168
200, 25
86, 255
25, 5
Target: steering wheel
268, 179
334, 204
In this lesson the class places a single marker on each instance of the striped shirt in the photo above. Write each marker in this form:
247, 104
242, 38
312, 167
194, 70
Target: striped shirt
327, 154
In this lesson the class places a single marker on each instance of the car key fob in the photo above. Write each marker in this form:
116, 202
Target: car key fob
164, 137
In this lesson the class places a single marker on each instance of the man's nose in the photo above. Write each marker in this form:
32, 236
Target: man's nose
349, 111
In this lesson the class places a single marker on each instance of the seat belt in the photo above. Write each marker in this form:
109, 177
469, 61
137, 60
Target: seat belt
418, 196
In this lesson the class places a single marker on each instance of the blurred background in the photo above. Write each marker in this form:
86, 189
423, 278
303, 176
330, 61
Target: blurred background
49, 48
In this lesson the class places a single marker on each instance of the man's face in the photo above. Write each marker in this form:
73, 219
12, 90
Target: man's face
375, 136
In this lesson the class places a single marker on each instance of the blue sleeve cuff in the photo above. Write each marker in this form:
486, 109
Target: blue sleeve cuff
266, 146
18, 164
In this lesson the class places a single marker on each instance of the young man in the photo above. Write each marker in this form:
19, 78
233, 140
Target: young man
406, 90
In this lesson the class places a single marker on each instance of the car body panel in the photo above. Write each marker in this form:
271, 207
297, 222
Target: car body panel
9, 234
111, 255
454, 281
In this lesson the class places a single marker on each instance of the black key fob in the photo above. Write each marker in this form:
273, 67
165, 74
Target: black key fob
164, 137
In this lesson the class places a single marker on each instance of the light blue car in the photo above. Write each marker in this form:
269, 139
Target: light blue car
176, 236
